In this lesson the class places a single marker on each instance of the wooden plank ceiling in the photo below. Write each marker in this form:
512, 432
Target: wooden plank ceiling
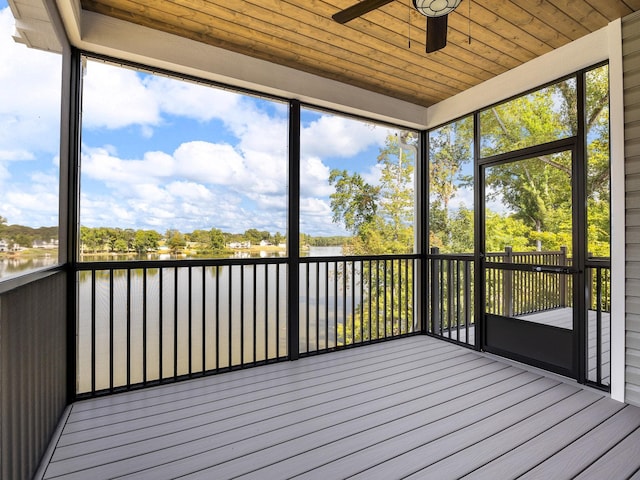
384, 50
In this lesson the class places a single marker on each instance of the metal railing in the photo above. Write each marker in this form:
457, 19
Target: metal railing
598, 281
141, 323
451, 312
347, 301
517, 293
144, 323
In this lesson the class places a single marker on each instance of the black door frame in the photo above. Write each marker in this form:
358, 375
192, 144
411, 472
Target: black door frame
559, 350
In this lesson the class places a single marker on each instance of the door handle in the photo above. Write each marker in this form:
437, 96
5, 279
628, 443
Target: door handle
552, 269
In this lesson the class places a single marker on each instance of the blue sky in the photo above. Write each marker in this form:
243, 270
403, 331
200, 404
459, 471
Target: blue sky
29, 130
162, 153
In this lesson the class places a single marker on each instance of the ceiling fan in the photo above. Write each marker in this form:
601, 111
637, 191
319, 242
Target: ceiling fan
436, 12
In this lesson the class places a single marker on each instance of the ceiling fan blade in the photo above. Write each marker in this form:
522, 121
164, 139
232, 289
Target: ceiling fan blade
436, 33
354, 11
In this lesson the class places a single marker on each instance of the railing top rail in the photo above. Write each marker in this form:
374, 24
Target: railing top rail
208, 262
212, 262
451, 256
526, 254
353, 258
598, 262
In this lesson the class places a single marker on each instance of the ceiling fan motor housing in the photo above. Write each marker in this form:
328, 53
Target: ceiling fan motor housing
436, 8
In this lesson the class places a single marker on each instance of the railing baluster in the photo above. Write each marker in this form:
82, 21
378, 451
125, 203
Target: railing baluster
361, 276
111, 330
326, 304
278, 311
160, 321
93, 331
392, 309
255, 312
204, 319
457, 263
230, 315
175, 322
242, 315
217, 315
335, 304
128, 328
598, 325
266, 312
370, 300
144, 326
190, 314
400, 316
353, 302
317, 270
345, 336
467, 299
306, 316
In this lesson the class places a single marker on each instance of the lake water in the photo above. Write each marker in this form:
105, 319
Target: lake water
14, 265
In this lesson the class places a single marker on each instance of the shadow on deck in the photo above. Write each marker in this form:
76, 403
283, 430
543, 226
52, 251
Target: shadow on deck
415, 407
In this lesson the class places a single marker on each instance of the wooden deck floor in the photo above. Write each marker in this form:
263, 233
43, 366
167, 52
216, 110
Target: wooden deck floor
411, 408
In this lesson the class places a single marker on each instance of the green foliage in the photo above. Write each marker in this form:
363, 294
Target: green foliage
450, 152
354, 202
532, 198
381, 219
379, 216
216, 240
175, 240
146, 241
255, 236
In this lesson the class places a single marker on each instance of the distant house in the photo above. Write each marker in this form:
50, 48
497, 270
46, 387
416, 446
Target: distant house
265, 243
52, 244
9, 246
237, 245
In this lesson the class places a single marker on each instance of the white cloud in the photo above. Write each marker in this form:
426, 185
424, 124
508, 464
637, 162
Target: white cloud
372, 176
15, 155
190, 100
100, 163
116, 97
191, 191
338, 136
314, 178
462, 198
208, 162
29, 95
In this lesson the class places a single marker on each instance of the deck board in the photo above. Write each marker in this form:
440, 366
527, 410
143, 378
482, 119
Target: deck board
416, 406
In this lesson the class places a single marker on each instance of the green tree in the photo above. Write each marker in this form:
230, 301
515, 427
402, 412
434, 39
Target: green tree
538, 192
216, 240
175, 240
255, 236
146, 241
120, 246
199, 236
354, 202
380, 217
450, 152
